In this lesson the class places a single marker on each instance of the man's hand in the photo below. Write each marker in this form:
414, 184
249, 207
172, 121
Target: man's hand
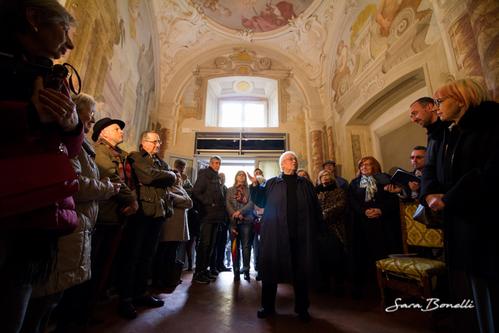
252, 179
392, 188
131, 209
414, 186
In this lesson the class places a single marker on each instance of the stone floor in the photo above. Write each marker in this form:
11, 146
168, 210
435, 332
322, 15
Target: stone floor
225, 306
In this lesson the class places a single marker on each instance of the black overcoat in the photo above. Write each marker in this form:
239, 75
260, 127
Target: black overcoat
471, 181
275, 252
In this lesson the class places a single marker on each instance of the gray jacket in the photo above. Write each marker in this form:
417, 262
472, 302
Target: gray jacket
73, 258
247, 210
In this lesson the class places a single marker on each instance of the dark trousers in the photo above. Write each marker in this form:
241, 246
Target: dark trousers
14, 302
38, 313
331, 260
217, 258
486, 300
244, 240
105, 243
204, 250
165, 265
300, 283
137, 249
463, 320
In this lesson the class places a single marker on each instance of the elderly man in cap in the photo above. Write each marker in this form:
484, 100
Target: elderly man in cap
330, 166
113, 213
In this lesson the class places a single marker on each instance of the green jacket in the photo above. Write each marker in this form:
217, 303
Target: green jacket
108, 161
152, 176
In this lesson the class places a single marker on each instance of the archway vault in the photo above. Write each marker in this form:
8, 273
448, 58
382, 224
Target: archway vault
230, 60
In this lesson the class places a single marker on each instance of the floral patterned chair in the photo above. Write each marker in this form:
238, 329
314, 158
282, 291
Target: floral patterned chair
406, 273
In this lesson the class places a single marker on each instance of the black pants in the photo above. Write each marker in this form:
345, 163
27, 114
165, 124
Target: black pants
140, 240
217, 258
165, 265
300, 283
204, 250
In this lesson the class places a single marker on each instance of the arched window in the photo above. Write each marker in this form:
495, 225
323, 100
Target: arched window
242, 102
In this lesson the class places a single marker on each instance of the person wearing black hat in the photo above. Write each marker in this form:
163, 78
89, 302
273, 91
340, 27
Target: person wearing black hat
113, 213
330, 165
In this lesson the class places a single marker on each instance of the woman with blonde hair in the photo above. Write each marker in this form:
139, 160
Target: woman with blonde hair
466, 173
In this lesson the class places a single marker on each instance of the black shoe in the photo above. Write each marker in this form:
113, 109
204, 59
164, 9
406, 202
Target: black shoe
223, 269
149, 301
200, 278
127, 310
210, 276
304, 316
258, 277
246, 276
264, 313
236, 277
214, 272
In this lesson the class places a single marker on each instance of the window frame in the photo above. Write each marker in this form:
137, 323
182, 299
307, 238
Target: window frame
243, 100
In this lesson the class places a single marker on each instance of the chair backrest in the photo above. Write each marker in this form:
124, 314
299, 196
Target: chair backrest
415, 233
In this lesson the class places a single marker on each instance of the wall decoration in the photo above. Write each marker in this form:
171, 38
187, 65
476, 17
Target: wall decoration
255, 15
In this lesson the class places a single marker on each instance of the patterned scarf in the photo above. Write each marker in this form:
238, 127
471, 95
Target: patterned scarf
369, 183
240, 195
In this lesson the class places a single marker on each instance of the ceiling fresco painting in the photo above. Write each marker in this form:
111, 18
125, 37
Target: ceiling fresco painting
256, 15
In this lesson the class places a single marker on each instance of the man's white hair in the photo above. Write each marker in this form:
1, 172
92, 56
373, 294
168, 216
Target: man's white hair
289, 152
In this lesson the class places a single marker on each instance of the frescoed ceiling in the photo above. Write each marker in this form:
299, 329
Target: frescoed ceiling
256, 15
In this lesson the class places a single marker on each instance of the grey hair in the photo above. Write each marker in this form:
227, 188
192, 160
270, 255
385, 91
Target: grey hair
49, 11
281, 158
144, 135
216, 157
83, 101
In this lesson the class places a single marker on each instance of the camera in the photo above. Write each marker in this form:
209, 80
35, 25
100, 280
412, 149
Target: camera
55, 77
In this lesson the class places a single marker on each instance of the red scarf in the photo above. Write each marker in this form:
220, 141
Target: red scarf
240, 195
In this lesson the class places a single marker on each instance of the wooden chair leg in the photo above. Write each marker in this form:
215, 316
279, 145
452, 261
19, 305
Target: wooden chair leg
381, 286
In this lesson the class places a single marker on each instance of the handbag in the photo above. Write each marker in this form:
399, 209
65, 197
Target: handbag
31, 188
428, 217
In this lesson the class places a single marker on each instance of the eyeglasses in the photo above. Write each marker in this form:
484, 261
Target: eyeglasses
156, 142
438, 101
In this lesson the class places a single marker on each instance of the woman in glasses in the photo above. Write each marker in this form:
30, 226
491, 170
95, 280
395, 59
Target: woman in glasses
375, 223
468, 179
38, 116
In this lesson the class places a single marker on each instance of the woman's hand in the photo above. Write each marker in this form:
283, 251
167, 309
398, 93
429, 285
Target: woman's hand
373, 213
236, 215
435, 201
54, 107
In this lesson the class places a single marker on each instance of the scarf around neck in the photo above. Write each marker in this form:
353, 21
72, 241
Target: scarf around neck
369, 183
240, 195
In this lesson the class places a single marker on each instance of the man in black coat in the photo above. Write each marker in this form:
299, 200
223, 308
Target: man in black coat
288, 234
151, 177
208, 192
423, 112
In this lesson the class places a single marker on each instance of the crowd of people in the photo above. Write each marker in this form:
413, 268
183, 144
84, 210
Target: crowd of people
133, 220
